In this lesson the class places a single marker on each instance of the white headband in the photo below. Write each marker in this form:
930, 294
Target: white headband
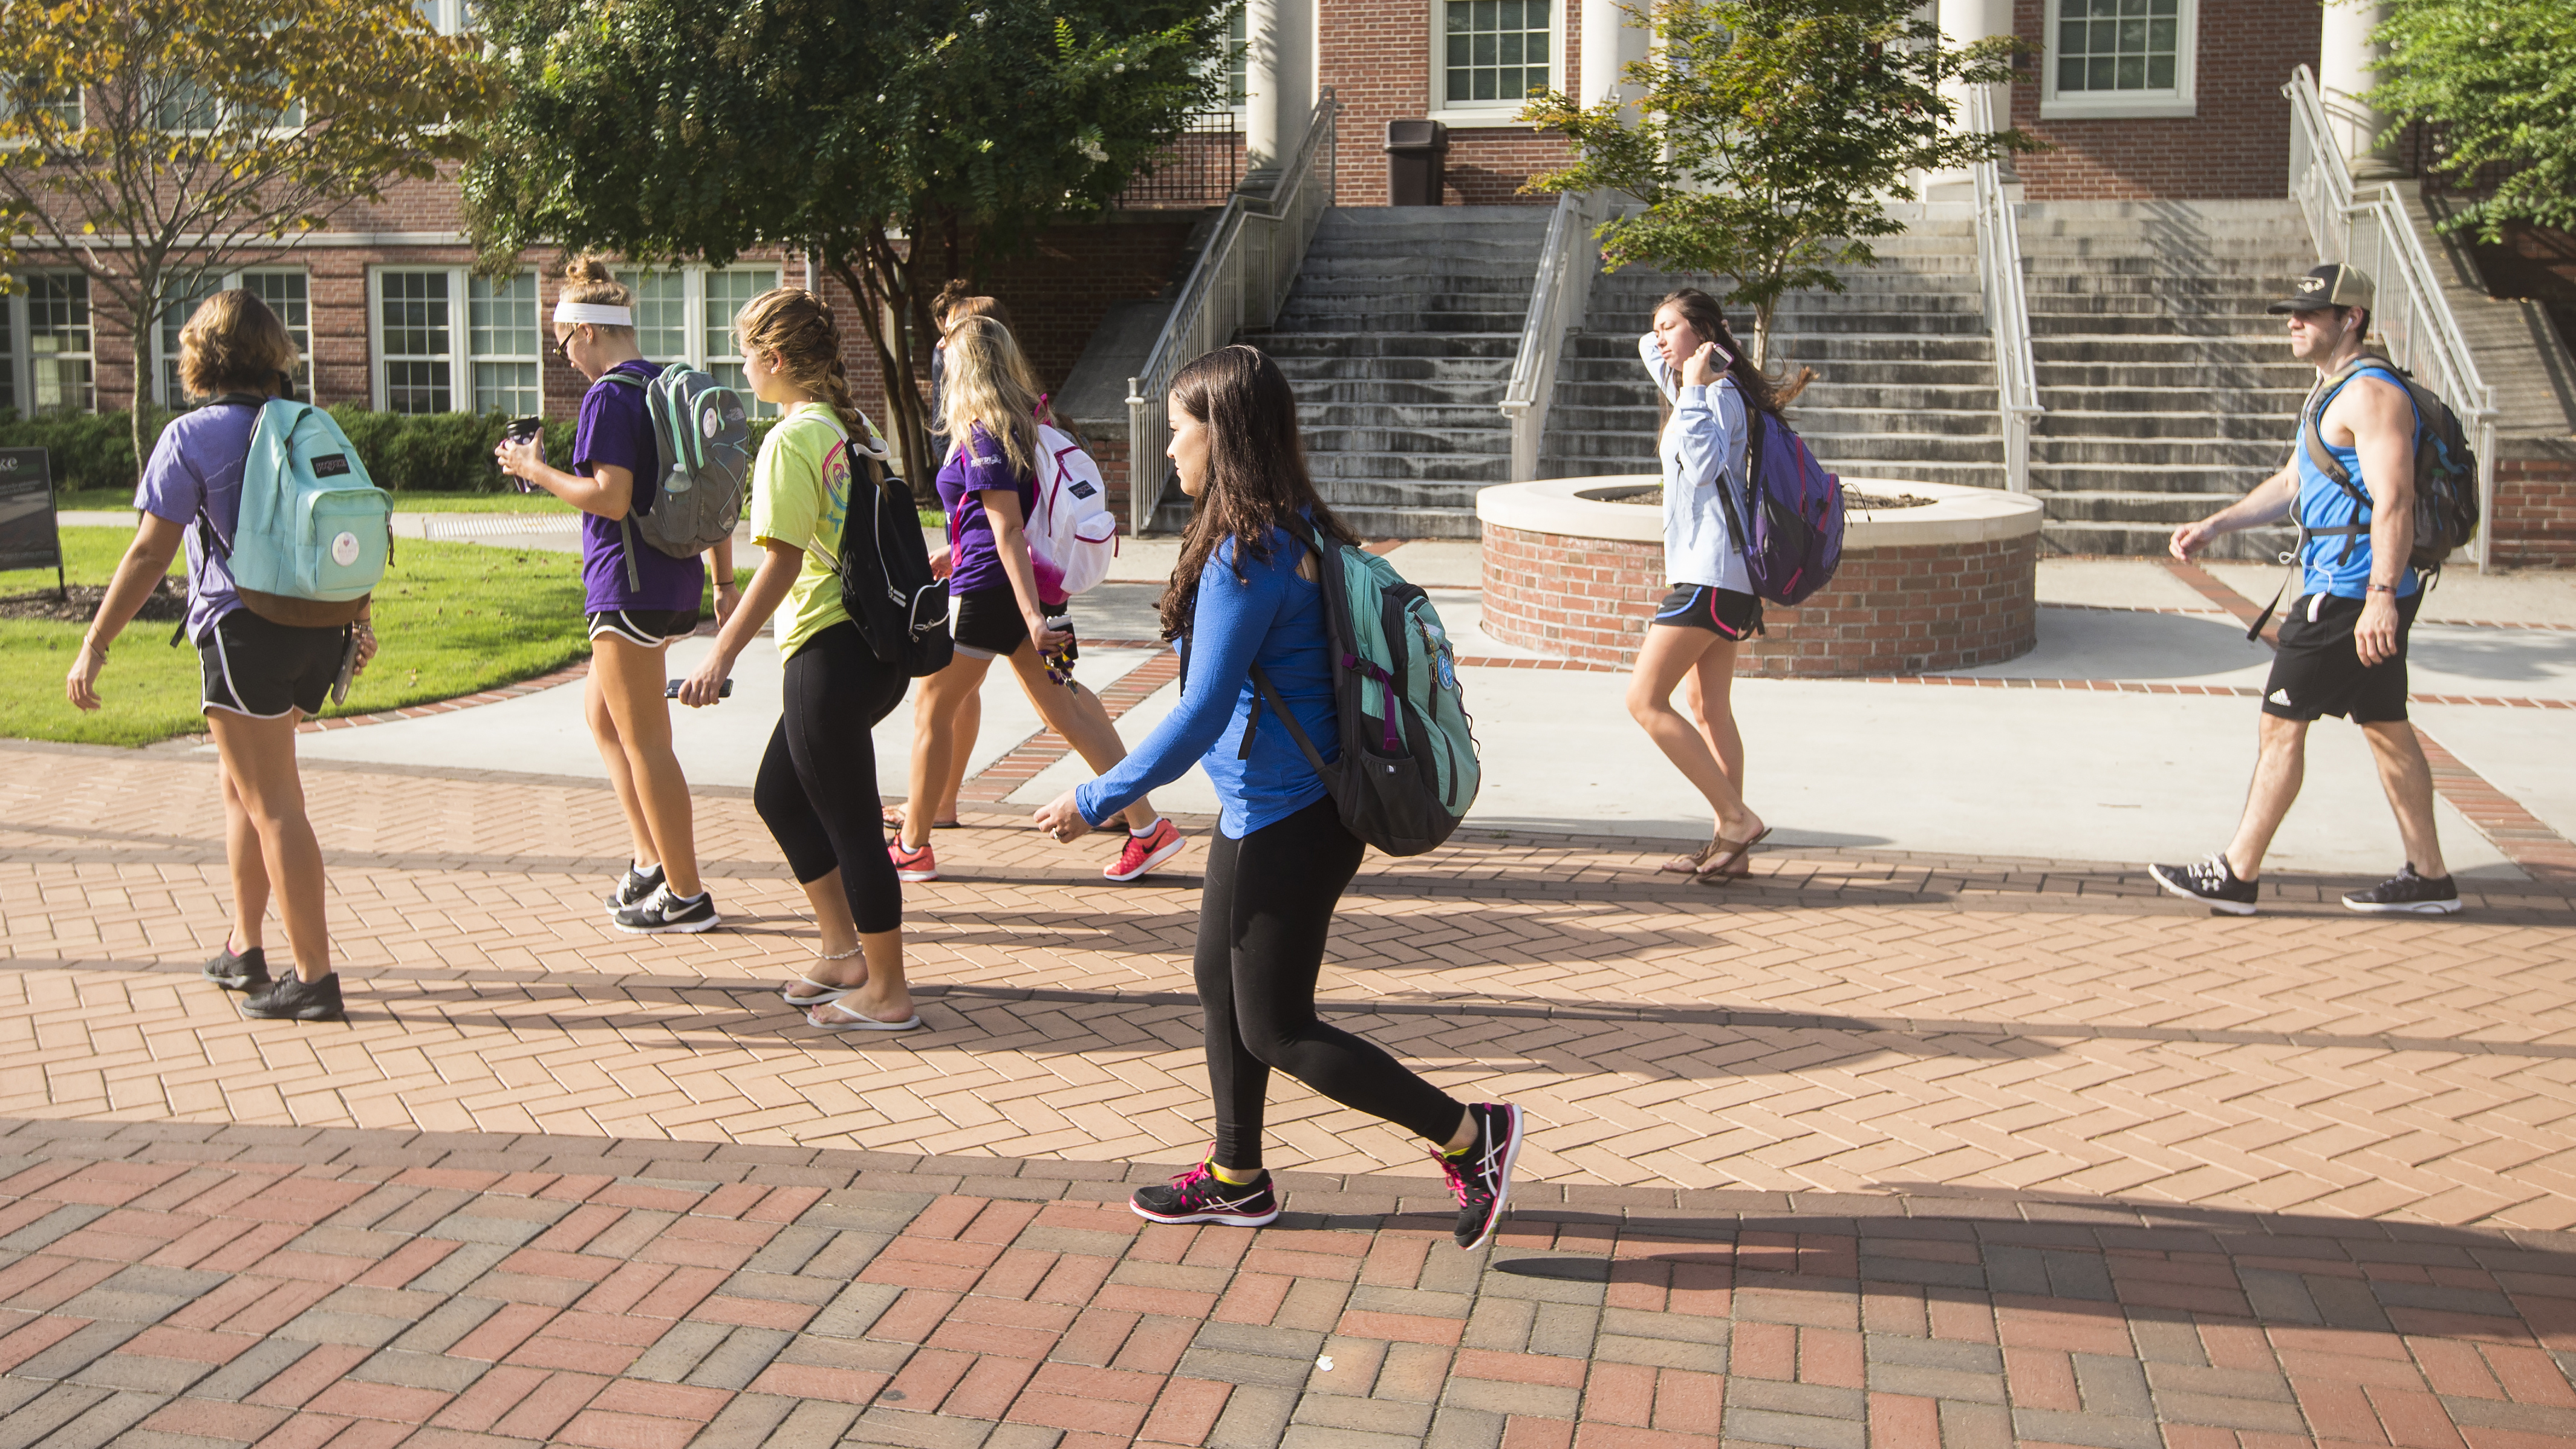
595, 314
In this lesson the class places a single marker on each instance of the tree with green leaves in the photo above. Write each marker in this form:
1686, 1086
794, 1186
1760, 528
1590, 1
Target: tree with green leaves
157, 143
2498, 80
1768, 136
899, 142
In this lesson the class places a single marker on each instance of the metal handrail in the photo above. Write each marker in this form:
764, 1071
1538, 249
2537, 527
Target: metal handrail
1240, 279
2412, 319
2007, 301
1565, 267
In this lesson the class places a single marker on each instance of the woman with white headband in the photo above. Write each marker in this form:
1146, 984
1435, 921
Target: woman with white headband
615, 468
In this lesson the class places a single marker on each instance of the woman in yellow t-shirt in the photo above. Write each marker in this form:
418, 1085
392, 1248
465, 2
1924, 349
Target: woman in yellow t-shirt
817, 788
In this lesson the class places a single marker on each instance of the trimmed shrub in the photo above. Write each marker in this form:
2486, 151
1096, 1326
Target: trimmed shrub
403, 452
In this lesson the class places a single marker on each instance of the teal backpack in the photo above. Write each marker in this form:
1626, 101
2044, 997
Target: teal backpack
315, 532
1408, 769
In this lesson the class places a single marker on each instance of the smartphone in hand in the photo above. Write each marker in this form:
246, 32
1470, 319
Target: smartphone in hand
672, 689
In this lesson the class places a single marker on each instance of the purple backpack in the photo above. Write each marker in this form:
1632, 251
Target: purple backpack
1795, 538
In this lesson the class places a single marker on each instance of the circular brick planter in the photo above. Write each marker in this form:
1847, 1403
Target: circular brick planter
1942, 586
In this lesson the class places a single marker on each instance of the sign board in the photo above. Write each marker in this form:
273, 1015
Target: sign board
28, 539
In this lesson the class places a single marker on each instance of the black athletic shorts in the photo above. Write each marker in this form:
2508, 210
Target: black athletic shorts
988, 625
650, 628
2318, 672
264, 670
1723, 612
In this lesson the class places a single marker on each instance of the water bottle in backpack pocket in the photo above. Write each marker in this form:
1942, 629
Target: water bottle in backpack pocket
314, 533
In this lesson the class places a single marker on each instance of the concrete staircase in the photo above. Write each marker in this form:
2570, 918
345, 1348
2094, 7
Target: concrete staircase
1905, 370
1399, 338
2169, 391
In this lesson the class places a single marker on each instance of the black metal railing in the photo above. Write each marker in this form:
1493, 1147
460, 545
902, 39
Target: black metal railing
1201, 167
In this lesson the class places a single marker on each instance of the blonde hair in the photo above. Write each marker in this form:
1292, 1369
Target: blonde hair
233, 343
586, 278
989, 382
797, 327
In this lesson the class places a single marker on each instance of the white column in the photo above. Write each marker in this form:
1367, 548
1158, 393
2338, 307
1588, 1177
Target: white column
1266, 126
1963, 22
1605, 43
2344, 58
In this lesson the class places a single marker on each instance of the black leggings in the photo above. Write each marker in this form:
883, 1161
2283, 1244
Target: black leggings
1262, 923
817, 787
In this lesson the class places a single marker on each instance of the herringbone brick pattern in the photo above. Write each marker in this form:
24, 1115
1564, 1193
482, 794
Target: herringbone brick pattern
1841, 1024
228, 1286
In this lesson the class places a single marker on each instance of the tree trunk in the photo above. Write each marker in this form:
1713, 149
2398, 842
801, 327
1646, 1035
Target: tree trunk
875, 291
1761, 358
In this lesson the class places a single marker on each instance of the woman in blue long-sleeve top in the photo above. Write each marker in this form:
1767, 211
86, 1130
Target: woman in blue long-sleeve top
1711, 610
1245, 594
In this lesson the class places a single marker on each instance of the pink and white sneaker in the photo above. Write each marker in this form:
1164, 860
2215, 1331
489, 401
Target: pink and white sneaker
1142, 853
913, 865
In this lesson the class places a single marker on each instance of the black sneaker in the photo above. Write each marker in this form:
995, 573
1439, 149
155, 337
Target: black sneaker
1200, 1196
2407, 894
291, 998
1481, 1176
635, 887
2211, 882
237, 973
663, 911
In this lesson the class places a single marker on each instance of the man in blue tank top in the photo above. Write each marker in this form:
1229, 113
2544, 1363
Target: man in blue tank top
2343, 645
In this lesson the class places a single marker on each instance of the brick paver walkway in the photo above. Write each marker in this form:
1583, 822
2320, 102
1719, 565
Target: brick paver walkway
1870, 1147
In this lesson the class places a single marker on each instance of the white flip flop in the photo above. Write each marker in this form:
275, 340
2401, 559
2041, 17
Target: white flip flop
857, 1022
824, 995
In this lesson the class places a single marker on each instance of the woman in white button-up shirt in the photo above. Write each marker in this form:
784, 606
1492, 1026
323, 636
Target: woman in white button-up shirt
1711, 610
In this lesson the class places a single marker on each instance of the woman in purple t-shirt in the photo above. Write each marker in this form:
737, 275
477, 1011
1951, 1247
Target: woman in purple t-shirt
260, 676
987, 488
638, 603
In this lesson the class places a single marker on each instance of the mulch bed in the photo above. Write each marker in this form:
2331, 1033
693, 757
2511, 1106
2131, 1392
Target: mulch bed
167, 604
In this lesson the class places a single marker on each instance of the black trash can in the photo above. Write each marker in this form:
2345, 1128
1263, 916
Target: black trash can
1417, 155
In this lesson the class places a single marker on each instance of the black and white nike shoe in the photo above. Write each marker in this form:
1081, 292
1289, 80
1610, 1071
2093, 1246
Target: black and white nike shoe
635, 888
1481, 1176
2407, 894
2211, 882
663, 911
1200, 1196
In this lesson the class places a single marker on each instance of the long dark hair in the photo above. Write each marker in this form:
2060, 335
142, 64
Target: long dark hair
1256, 469
1700, 310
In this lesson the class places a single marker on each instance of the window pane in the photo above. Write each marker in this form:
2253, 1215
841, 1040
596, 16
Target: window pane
502, 316
8, 366
726, 292
2125, 45
505, 387
661, 314
284, 292
186, 106
175, 312
1497, 50
58, 344
416, 387
415, 314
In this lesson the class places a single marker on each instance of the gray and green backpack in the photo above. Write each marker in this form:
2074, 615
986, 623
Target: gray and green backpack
703, 434
1408, 769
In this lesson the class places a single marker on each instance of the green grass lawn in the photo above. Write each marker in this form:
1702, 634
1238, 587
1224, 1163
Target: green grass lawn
452, 618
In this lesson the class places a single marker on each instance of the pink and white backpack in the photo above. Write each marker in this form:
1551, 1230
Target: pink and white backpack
1073, 535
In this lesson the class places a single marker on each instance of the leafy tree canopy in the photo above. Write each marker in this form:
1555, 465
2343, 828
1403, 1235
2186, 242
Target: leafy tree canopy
2498, 78
1768, 136
902, 142
155, 143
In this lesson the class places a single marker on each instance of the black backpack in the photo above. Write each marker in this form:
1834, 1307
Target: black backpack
2446, 471
884, 569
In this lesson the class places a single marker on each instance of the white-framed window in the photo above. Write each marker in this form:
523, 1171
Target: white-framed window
186, 106
23, 98
2113, 59
446, 340
287, 292
46, 362
447, 17
1488, 55
686, 315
